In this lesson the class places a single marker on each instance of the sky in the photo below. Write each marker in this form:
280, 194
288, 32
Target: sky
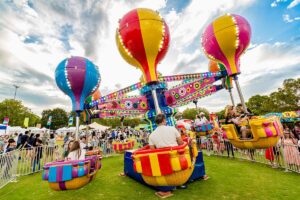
35, 35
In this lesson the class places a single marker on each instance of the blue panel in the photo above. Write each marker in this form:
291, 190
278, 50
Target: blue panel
52, 174
67, 172
199, 170
80, 172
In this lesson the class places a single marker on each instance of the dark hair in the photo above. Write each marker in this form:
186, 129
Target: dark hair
31, 135
26, 132
75, 146
51, 136
83, 137
239, 104
159, 118
37, 135
39, 141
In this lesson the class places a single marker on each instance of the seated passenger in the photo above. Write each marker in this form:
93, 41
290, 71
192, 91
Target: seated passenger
75, 152
232, 117
164, 136
201, 119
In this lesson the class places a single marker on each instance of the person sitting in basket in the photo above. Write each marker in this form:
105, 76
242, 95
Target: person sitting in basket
164, 136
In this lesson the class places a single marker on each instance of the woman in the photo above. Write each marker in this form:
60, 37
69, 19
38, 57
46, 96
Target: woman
11, 145
51, 145
67, 147
75, 152
290, 151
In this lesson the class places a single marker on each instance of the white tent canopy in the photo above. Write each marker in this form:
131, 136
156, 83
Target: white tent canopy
97, 126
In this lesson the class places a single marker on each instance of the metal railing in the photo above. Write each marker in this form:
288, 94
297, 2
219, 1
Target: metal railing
8, 167
286, 156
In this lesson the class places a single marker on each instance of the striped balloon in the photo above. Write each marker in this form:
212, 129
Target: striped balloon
143, 40
77, 77
225, 39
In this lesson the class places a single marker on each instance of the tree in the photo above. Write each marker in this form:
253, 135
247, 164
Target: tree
17, 112
59, 118
190, 113
221, 114
259, 105
286, 98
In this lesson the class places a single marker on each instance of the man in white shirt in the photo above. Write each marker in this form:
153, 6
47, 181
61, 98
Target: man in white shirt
164, 136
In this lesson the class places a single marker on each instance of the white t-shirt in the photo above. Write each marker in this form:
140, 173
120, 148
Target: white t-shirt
164, 136
76, 155
201, 121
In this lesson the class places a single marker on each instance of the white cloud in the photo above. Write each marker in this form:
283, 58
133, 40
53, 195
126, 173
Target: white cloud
288, 19
293, 4
93, 35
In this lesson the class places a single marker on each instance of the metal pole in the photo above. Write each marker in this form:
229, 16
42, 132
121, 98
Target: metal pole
77, 125
16, 88
154, 95
235, 78
231, 96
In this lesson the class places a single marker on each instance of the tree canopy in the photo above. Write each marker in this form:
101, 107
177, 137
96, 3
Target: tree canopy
17, 112
190, 113
59, 118
286, 98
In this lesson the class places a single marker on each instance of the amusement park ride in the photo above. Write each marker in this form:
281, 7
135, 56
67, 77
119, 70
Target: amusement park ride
143, 39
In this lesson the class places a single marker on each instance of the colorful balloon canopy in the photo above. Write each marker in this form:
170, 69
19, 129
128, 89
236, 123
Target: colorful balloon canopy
214, 66
225, 39
77, 77
143, 40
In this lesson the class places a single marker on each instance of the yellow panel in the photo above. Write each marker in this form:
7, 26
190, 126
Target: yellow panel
175, 162
154, 164
138, 167
227, 44
152, 34
161, 180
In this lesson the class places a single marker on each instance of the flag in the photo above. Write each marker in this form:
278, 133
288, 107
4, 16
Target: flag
26, 121
5, 121
49, 121
70, 121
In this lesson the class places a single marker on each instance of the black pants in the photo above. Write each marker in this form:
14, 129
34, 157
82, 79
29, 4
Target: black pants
229, 147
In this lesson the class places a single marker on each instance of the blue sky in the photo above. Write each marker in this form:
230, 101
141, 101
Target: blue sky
37, 34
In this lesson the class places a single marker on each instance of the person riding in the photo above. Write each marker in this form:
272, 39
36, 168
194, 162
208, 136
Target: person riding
164, 136
201, 119
75, 152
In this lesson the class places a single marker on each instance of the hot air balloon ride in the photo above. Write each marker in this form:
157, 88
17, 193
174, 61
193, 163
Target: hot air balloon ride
143, 40
77, 77
224, 41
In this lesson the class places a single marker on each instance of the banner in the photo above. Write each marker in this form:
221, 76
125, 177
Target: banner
5, 121
26, 121
49, 121
70, 121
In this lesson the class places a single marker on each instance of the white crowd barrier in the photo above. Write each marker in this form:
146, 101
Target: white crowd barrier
8, 167
286, 156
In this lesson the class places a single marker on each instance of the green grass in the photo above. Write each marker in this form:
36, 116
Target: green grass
229, 179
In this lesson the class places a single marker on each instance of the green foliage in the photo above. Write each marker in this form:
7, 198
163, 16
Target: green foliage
190, 113
16, 112
59, 118
286, 98
259, 105
221, 114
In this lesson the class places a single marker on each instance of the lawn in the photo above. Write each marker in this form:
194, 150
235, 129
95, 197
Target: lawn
229, 179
